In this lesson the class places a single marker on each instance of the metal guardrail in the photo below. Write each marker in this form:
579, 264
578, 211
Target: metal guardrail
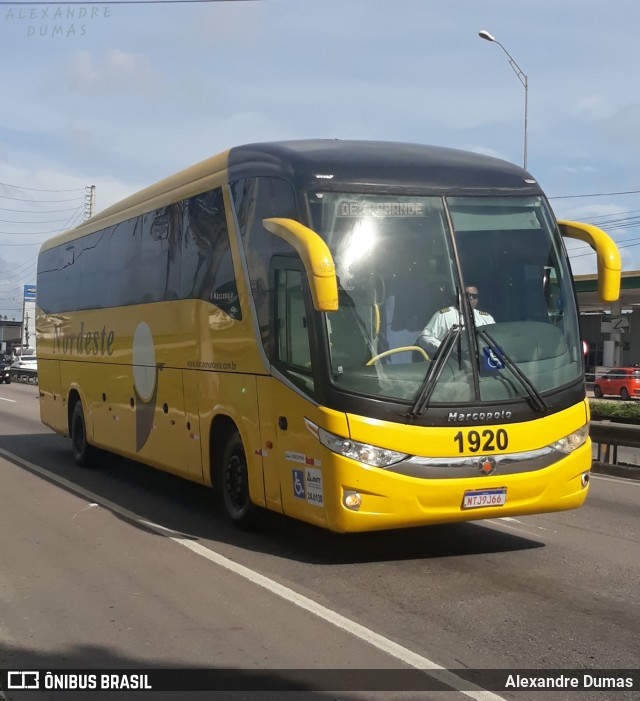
608, 435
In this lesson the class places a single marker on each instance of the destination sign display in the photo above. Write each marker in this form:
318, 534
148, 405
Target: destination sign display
380, 208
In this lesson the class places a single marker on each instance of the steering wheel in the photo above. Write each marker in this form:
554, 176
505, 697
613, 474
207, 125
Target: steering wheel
402, 349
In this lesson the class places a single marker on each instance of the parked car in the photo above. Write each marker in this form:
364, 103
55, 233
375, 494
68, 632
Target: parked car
5, 371
622, 382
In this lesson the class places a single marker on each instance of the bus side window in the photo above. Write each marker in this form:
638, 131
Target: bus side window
256, 199
552, 294
123, 271
90, 254
154, 256
207, 266
350, 340
293, 350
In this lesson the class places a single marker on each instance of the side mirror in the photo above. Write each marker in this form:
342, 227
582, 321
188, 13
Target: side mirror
609, 265
316, 258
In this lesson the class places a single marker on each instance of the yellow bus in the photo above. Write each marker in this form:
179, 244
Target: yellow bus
262, 323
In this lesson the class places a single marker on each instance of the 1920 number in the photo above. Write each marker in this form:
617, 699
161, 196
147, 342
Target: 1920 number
474, 441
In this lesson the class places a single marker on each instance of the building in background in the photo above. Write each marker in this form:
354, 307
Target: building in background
18, 335
612, 331
9, 335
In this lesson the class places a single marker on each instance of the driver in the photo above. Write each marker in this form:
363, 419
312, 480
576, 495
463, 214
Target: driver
440, 323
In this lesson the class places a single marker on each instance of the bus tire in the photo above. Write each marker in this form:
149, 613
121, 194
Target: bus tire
82, 451
234, 484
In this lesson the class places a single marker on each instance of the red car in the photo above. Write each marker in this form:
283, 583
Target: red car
623, 382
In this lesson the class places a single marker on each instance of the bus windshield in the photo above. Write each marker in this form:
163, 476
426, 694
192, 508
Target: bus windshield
411, 268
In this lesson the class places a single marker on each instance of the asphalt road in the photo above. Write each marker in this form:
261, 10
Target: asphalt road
121, 566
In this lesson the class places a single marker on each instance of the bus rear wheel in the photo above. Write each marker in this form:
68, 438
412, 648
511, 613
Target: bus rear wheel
234, 484
81, 449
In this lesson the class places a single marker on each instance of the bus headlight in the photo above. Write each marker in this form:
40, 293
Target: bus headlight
362, 452
574, 440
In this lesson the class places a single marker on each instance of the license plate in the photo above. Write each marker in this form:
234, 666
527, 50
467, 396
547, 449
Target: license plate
482, 498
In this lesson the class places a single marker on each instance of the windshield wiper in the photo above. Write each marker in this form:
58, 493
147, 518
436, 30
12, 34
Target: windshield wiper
536, 399
431, 378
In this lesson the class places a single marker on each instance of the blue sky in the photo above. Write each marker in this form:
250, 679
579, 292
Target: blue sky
119, 96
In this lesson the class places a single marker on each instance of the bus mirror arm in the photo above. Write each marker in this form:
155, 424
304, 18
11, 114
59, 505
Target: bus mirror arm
316, 258
609, 265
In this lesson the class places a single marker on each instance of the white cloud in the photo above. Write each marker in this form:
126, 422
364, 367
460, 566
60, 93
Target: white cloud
622, 128
117, 73
594, 108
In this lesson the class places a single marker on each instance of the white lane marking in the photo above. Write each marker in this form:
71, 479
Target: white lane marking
4, 399
505, 519
514, 524
376, 640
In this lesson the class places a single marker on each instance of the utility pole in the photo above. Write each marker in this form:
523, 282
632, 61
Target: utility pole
89, 201
24, 326
26, 330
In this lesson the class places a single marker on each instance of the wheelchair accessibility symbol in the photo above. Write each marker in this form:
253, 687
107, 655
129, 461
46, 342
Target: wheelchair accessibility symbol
491, 359
298, 484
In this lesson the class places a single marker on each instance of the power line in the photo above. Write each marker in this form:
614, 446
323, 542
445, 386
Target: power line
592, 252
18, 279
39, 211
45, 221
13, 245
616, 214
29, 233
68, 221
18, 273
35, 189
26, 199
595, 194
15, 277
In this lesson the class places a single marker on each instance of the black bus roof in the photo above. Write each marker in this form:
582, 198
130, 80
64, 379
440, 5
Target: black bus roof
327, 163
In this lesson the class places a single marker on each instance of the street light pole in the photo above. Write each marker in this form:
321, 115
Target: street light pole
522, 77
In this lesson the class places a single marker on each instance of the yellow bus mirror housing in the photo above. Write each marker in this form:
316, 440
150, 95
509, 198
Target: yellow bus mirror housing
609, 265
316, 258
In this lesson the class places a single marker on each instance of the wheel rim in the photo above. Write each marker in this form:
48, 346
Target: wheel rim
236, 482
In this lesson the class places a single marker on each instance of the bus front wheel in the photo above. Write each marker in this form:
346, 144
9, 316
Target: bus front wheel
81, 449
234, 484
